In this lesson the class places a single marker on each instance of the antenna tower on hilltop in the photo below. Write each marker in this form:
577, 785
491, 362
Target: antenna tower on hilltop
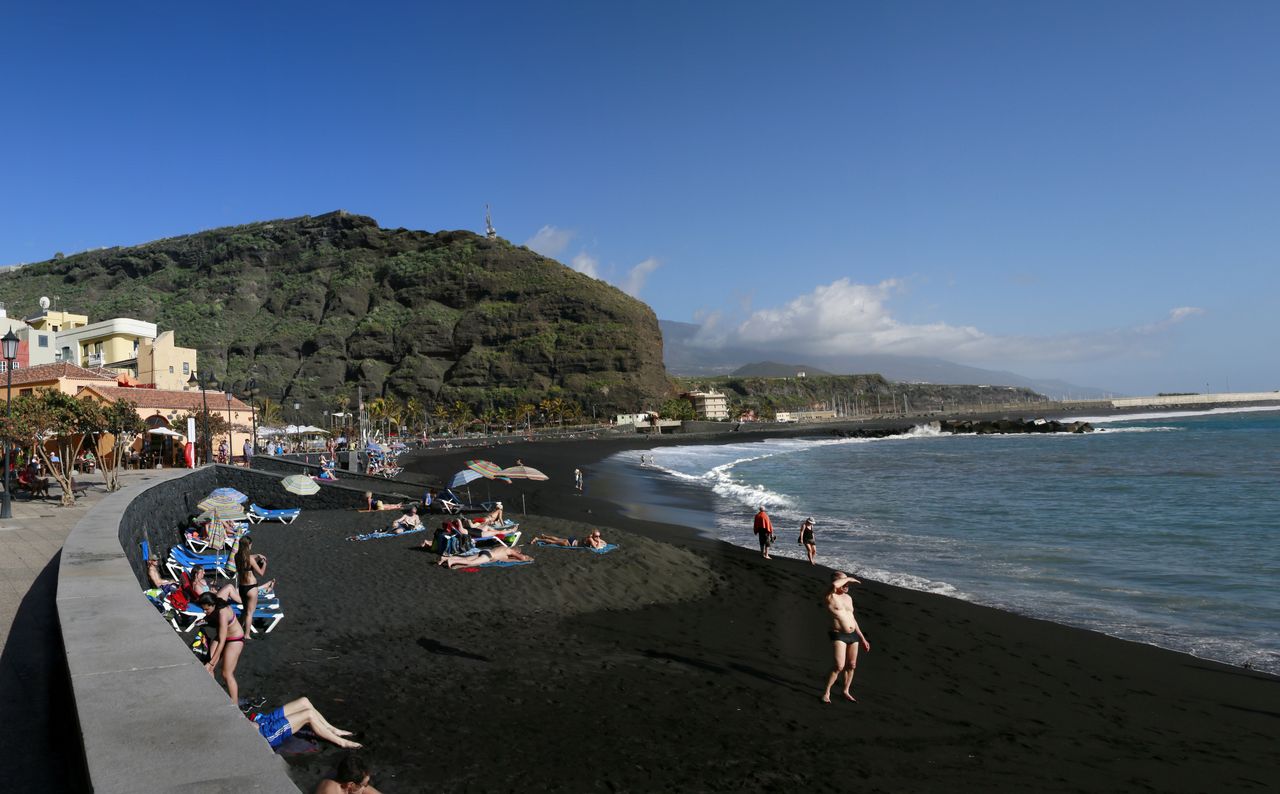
489, 231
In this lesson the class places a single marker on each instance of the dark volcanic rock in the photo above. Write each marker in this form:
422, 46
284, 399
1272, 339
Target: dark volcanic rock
313, 305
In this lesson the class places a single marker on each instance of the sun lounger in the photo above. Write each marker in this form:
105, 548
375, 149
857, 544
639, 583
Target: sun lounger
268, 612
199, 540
284, 516
180, 559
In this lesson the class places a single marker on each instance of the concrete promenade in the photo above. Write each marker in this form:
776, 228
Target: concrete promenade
38, 729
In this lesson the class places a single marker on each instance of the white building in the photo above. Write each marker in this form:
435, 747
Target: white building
709, 404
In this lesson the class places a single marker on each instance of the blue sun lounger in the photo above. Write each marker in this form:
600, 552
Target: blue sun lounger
180, 559
268, 612
285, 516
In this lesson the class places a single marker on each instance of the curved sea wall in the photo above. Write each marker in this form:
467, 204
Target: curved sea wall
149, 716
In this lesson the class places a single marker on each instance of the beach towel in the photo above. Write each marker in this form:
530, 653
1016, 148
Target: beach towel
377, 535
605, 549
495, 564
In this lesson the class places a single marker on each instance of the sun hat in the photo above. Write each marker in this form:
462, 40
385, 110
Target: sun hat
809, 520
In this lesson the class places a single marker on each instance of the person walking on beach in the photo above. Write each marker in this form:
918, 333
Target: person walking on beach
806, 539
764, 532
577, 479
845, 635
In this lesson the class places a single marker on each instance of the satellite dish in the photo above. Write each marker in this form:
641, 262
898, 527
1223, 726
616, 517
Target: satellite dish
44, 303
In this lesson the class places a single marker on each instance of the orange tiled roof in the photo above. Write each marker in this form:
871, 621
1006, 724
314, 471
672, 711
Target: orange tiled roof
51, 372
164, 398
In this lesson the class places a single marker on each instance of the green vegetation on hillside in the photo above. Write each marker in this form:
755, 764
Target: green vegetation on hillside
314, 306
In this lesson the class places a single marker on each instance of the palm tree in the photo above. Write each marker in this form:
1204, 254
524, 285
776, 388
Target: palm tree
440, 413
414, 413
376, 410
270, 412
462, 416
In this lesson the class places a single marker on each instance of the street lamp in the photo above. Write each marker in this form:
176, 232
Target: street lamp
297, 426
211, 383
10, 344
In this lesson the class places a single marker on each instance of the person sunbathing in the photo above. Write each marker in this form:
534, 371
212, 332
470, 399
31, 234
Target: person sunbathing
493, 517
406, 523
591, 541
279, 724
199, 585
352, 777
377, 504
478, 530
496, 554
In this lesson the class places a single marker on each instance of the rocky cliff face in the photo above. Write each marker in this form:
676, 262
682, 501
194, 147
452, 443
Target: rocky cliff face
316, 305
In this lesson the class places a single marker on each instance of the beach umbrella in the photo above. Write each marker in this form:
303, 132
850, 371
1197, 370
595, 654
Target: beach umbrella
300, 484
465, 477
223, 512
523, 473
231, 493
216, 502
487, 468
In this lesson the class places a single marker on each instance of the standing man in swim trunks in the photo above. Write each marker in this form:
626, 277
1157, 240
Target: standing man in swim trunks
764, 532
846, 635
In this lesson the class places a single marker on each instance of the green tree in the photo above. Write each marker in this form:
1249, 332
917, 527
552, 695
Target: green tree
54, 426
677, 408
121, 421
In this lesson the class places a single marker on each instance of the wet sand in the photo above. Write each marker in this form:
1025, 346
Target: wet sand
678, 663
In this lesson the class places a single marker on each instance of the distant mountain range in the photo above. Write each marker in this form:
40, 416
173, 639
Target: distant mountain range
683, 358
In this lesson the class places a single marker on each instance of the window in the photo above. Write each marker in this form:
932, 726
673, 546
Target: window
186, 368
44, 340
24, 392
170, 369
17, 364
4, 365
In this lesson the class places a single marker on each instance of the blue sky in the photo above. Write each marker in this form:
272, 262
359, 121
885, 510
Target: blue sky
1083, 190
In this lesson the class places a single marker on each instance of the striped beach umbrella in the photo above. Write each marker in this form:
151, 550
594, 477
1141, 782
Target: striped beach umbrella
230, 493
215, 502
523, 473
300, 484
487, 468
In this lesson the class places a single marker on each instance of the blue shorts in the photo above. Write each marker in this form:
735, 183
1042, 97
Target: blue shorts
274, 727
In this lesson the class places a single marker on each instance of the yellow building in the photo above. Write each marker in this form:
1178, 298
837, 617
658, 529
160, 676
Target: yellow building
55, 321
161, 362
62, 376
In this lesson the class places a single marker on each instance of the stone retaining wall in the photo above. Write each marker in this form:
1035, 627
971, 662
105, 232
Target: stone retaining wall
135, 681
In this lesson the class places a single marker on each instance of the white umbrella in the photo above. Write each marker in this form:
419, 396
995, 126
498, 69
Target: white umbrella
164, 431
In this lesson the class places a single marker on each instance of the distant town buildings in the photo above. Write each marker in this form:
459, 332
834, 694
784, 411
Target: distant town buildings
119, 358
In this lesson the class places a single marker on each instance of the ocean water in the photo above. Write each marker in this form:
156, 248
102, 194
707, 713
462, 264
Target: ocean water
1160, 528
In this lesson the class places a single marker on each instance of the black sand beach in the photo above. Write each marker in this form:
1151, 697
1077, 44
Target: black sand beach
681, 663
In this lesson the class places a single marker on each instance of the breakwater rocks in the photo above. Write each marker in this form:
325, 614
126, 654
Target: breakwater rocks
992, 426
968, 426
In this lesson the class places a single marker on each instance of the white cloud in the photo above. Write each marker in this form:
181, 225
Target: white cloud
637, 276
848, 318
550, 241
586, 264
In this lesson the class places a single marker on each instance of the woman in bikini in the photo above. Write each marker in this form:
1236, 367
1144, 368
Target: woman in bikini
228, 643
249, 567
199, 585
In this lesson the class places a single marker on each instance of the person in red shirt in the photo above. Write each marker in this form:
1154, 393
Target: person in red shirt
764, 532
